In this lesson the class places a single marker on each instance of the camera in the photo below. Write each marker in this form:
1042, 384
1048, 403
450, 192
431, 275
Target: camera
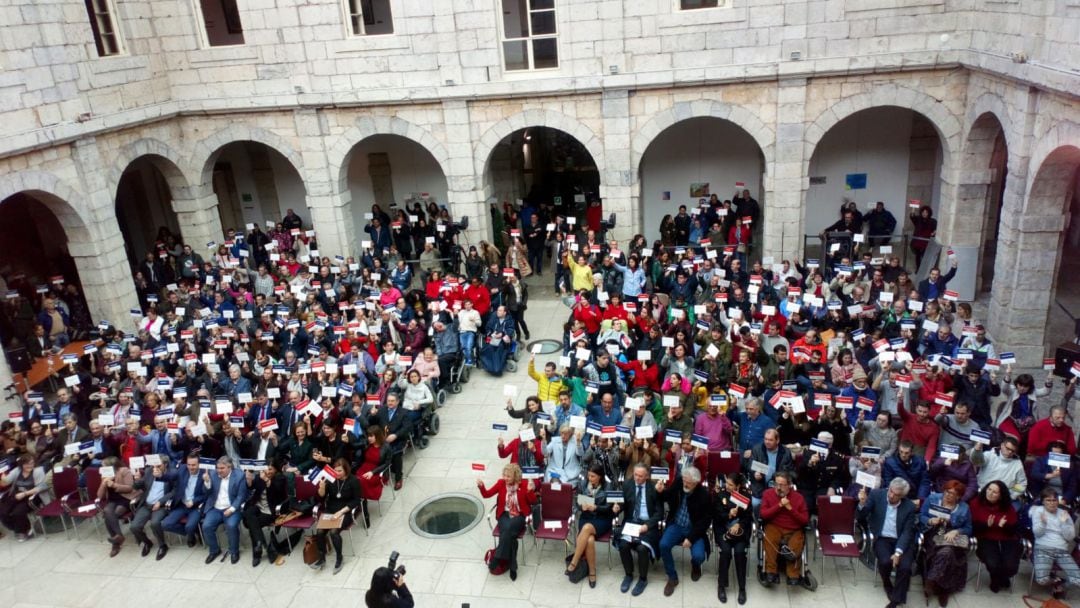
392, 564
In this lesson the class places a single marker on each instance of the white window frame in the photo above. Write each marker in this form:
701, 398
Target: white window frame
347, 16
529, 39
679, 9
113, 17
200, 25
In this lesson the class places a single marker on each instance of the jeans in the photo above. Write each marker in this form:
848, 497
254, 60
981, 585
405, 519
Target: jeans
673, 536
211, 521
172, 524
468, 346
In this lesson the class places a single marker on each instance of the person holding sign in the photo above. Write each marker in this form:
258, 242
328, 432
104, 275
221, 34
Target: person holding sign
823, 472
116, 494
784, 514
268, 490
1050, 429
1003, 465
513, 505
1056, 470
994, 520
594, 517
732, 524
892, 520
157, 484
946, 523
639, 535
1021, 398
954, 466
340, 496
22, 483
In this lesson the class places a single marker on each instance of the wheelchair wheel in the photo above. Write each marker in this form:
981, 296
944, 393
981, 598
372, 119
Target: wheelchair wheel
455, 388
511, 365
440, 397
433, 425
423, 443
811, 582
465, 374
516, 355
762, 578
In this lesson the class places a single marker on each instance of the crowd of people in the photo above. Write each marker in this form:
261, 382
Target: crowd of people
706, 396
701, 388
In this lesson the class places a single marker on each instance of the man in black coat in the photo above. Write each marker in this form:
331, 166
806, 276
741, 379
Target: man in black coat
688, 519
891, 518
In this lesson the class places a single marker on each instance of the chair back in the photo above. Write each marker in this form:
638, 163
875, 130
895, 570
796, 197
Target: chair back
836, 515
65, 482
93, 482
305, 490
557, 504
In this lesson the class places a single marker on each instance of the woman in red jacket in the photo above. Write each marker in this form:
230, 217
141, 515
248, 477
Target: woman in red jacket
994, 520
512, 507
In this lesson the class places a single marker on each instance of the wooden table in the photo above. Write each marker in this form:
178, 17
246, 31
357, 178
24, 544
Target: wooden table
40, 370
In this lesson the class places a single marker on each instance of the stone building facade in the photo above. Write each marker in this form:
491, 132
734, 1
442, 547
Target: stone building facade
307, 86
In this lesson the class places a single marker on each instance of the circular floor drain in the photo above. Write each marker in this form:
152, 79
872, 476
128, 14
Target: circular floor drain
446, 515
547, 347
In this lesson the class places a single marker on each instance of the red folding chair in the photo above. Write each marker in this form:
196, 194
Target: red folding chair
65, 482
88, 509
556, 514
836, 520
305, 491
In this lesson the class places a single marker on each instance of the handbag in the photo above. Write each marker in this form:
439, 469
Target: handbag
960, 541
311, 549
1034, 602
495, 566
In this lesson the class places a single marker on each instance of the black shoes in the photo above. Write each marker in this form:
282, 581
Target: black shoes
213, 556
513, 575
162, 550
235, 558
147, 546
626, 582
191, 541
721, 594
338, 564
742, 596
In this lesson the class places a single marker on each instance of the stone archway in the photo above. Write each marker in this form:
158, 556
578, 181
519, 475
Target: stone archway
980, 195
147, 182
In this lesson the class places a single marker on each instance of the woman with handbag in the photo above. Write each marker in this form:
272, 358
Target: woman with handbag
946, 525
342, 497
732, 524
594, 519
995, 523
515, 501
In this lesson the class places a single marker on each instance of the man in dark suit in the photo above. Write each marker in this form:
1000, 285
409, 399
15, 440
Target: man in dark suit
891, 518
688, 519
188, 497
157, 485
226, 491
38, 345
398, 429
643, 507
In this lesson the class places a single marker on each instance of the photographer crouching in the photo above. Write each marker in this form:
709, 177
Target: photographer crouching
388, 589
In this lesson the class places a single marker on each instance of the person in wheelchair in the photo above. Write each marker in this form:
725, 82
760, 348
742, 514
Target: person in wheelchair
498, 342
447, 347
784, 514
417, 401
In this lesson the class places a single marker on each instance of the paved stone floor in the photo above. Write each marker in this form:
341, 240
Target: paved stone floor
442, 574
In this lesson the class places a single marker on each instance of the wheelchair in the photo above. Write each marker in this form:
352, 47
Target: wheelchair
785, 555
428, 426
459, 374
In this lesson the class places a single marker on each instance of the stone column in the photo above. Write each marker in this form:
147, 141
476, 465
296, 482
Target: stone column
1030, 245
331, 211
464, 189
99, 253
617, 176
786, 182
199, 220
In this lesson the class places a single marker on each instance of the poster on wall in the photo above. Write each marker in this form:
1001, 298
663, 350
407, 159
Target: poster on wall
665, 195
699, 190
855, 181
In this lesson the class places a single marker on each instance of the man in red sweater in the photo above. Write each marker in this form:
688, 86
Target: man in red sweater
785, 515
1051, 428
920, 430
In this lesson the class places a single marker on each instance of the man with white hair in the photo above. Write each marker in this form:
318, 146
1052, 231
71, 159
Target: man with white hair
687, 524
891, 518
